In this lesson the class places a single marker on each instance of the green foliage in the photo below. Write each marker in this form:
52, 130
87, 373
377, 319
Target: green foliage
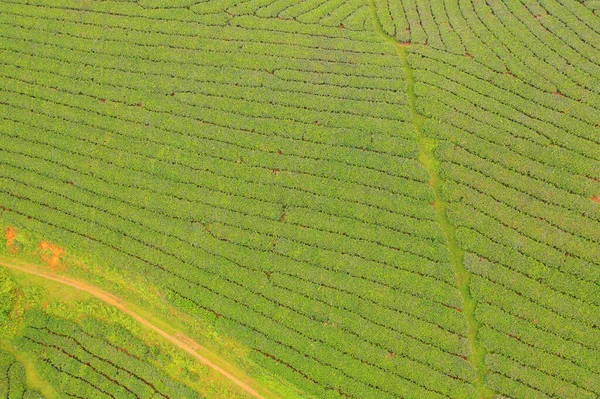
13, 380
371, 221
515, 116
7, 296
96, 359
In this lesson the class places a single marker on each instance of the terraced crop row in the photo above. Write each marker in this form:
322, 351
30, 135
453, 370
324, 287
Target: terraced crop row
95, 360
381, 199
12, 379
516, 116
237, 182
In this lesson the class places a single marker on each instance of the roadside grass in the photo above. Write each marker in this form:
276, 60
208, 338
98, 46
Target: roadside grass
72, 304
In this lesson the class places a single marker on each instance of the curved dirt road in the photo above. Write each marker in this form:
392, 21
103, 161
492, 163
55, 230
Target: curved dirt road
179, 340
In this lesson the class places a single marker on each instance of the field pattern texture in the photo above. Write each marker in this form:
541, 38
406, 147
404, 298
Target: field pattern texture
12, 379
381, 199
95, 360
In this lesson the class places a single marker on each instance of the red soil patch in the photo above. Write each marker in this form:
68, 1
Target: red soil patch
51, 254
403, 44
123, 350
10, 234
596, 198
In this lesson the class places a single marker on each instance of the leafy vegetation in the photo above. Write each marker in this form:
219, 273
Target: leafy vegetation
13, 379
377, 199
73, 346
95, 360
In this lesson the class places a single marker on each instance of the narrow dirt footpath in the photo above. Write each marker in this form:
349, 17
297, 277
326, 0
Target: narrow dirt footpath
179, 340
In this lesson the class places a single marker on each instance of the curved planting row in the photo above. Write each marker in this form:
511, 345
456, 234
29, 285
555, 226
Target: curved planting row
95, 360
12, 379
256, 161
515, 113
372, 221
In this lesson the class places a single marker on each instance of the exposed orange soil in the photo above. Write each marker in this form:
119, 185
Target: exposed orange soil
51, 254
596, 198
10, 234
180, 340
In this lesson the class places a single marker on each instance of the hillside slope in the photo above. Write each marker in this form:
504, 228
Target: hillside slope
379, 199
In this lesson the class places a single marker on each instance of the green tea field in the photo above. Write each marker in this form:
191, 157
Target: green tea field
278, 199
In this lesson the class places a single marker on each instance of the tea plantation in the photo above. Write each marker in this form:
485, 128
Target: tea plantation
374, 198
